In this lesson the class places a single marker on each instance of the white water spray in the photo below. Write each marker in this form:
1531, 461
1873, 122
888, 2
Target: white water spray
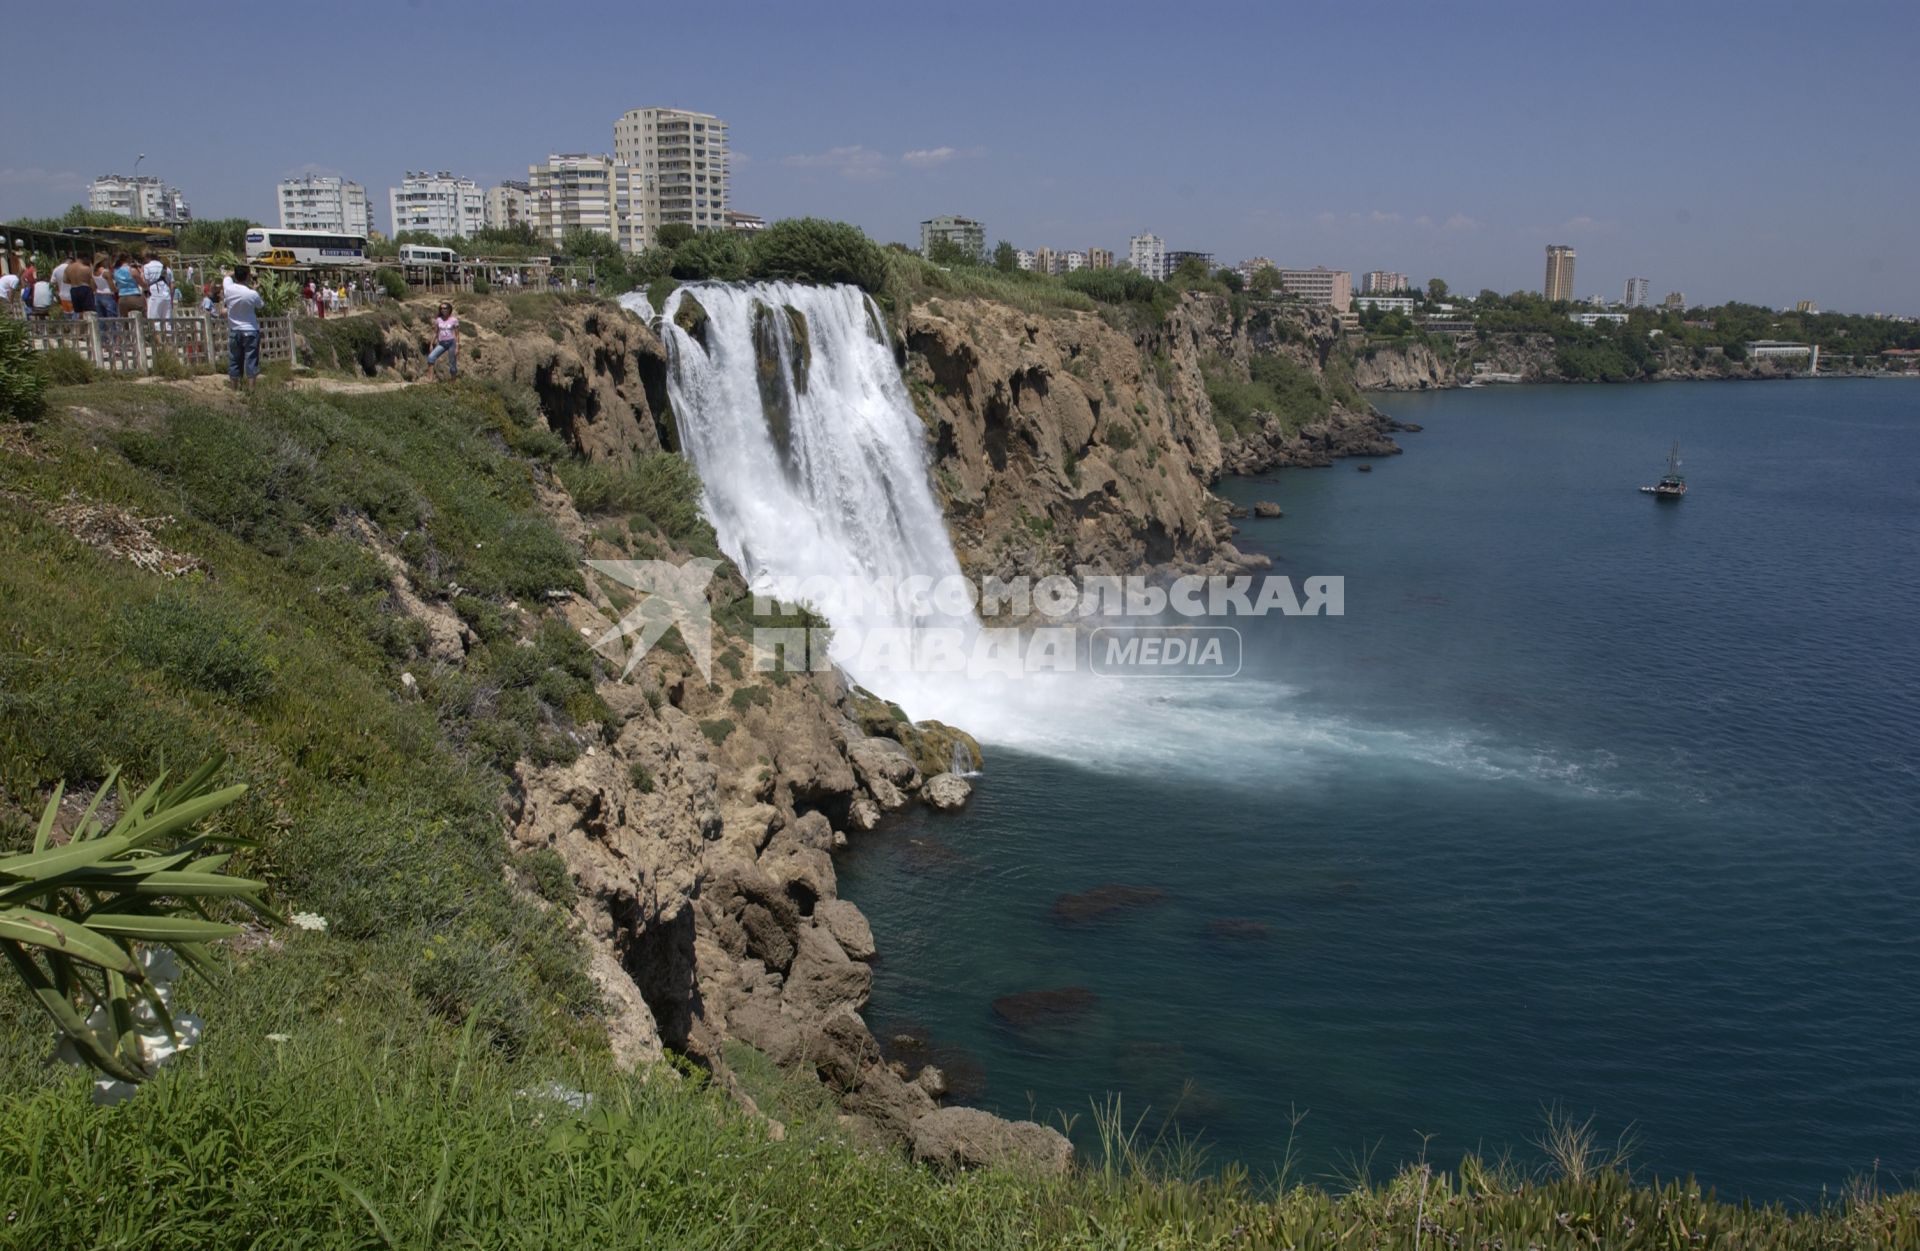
814, 464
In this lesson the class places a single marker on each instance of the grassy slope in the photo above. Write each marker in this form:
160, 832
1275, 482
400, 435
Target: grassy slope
375, 1085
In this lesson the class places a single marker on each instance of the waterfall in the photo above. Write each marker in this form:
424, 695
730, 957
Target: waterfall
814, 462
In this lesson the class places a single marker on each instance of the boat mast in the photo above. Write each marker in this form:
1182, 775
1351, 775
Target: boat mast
1673, 460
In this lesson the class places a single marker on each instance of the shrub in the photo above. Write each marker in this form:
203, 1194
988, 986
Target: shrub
394, 282
719, 255
662, 487
549, 876
23, 384
65, 367
481, 286
642, 778
809, 249
199, 641
716, 730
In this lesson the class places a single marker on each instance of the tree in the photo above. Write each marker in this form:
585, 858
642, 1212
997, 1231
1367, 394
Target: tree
1436, 289
1232, 278
1005, 258
673, 234
944, 251
1266, 280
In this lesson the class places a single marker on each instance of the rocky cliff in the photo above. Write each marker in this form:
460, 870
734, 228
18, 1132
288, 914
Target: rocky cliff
700, 830
1061, 441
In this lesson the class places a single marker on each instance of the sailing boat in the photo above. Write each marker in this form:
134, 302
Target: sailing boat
1672, 486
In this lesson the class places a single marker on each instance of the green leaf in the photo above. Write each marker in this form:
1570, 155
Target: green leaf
43, 929
46, 819
159, 929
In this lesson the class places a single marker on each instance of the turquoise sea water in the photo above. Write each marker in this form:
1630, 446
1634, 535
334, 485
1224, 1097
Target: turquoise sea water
1587, 800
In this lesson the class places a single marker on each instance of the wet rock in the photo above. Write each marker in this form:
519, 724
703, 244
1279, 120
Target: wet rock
1103, 900
1365, 468
969, 1138
947, 792
1267, 508
932, 1080
863, 814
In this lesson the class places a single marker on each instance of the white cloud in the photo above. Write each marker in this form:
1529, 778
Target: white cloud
1379, 218
1460, 221
927, 158
856, 162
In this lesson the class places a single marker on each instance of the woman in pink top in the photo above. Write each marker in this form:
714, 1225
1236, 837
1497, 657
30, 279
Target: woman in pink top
446, 342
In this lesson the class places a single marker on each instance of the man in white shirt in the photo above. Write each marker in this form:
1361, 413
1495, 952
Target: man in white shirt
243, 326
10, 288
159, 284
61, 290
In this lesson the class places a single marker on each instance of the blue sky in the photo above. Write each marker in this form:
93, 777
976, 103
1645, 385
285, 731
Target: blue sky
1758, 151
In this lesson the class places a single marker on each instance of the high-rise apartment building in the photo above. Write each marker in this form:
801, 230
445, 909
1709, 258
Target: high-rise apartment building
144, 198
1676, 302
1045, 261
508, 205
1806, 306
1175, 260
1147, 253
324, 202
676, 172
580, 191
439, 204
1559, 285
1639, 293
1383, 282
962, 232
1099, 258
1320, 285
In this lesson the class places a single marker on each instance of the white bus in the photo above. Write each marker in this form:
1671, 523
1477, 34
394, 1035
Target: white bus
309, 247
420, 254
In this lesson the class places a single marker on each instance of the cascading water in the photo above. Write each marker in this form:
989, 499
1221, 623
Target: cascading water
814, 465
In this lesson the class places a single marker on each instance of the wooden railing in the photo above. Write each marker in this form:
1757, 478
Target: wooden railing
132, 345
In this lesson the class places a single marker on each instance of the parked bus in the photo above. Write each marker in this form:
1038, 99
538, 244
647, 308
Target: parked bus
309, 247
420, 254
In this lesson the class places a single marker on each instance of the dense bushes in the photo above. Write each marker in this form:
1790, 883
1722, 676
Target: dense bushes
23, 385
1276, 385
662, 488
803, 249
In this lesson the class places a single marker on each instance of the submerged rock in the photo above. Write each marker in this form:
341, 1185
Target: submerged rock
969, 1138
1045, 1009
1238, 930
1101, 900
1267, 508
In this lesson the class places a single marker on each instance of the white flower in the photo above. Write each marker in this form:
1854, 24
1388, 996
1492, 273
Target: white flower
309, 921
279, 1038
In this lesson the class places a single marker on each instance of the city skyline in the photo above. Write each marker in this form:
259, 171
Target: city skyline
1423, 177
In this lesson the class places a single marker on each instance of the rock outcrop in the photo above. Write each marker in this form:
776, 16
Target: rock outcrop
967, 1138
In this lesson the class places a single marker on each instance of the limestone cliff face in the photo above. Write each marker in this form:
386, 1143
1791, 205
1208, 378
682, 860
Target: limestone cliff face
1061, 442
1415, 367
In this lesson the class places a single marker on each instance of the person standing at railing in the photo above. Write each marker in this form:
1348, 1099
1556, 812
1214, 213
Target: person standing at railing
79, 276
243, 327
60, 287
10, 291
446, 329
126, 281
159, 282
104, 302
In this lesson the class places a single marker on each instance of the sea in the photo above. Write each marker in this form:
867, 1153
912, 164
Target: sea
1588, 807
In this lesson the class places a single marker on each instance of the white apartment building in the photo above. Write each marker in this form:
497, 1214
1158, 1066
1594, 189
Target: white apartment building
324, 202
507, 205
439, 204
1383, 282
1025, 258
579, 191
1074, 260
144, 198
1147, 253
1386, 303
1639, 293
1591, 320
677, 163
1320, 285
